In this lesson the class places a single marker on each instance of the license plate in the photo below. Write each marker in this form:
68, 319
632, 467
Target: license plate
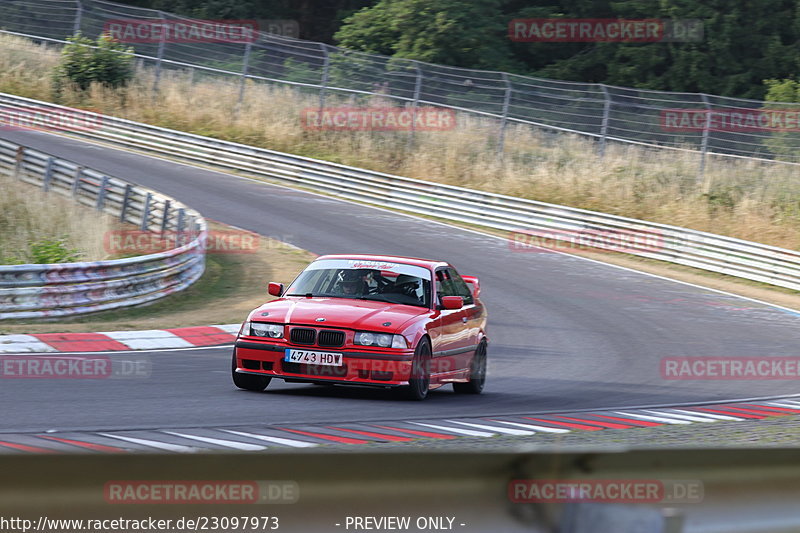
313, 358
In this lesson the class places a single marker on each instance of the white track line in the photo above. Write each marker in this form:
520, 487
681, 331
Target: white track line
154, 444
690, 418
505, 431
277, 440
532, 426
466, 432
709, 415
221, 442
653, 418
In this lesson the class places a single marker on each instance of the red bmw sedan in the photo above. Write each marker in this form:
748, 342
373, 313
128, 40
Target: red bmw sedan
368, 320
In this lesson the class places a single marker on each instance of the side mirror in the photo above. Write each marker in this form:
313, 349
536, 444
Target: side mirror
275, 289
452, 302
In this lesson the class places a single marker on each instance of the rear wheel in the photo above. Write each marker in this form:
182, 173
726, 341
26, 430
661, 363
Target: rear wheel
248, 381
477, 375
420, 379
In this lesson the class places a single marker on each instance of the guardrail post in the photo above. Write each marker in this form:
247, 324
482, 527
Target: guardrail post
76, 181
501, 140
325, 71
126, 198
606, 116
48, 174
76, 27
704, 143
101, 194
165, 218
18, 159
245, 66
160, 55
146, 211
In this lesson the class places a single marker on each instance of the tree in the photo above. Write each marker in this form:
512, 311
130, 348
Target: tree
84, 62
453, 32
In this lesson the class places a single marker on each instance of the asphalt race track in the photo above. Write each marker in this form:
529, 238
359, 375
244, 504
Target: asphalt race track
565, 333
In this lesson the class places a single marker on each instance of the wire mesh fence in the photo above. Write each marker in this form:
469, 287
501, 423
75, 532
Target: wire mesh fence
704, 123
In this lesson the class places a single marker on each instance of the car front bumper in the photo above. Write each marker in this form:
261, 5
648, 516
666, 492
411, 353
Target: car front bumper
367, 367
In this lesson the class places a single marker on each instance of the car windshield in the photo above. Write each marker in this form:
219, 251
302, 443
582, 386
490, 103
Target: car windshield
365, 280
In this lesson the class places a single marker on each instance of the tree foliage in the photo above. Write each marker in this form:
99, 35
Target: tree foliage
84, 62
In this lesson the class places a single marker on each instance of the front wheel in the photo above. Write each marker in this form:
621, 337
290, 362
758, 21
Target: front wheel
420, 380
248, 381
477, 375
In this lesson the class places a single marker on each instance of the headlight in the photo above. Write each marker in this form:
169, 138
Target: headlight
382, 340
259, 329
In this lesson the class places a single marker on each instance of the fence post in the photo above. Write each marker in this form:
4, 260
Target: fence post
146, 211
101, 194
126, 198
606, 116
18, 159
48, 174
245, 66
325, 72
160, 55
704, 143
415, 103
76, 27
501, 140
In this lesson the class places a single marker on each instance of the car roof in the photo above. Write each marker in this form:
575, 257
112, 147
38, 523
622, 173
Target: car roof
425, 263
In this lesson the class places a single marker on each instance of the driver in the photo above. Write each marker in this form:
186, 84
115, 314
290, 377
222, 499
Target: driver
352, 283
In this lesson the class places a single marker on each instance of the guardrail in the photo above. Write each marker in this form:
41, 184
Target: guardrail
737, 491
715, 253
57, 290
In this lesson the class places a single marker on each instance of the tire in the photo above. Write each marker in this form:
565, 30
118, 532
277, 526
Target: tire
248, 381
420, 380
477, 375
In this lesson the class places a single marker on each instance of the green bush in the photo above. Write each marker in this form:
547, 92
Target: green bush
84, 62
53, 251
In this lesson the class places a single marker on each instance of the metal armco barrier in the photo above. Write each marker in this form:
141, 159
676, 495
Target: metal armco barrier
729, 491
57, 290
706, 251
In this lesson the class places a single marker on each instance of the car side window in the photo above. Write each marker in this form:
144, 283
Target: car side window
444, 287
459, 286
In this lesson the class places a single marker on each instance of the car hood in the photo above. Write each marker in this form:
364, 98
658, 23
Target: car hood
338, 313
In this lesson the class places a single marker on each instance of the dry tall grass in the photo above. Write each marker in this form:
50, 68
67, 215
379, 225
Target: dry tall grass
745, 199
29, 216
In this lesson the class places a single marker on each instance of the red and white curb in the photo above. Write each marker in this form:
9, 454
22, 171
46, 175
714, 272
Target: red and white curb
265, 437
107, 341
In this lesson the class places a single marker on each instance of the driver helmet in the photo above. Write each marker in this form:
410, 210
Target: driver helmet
351, 281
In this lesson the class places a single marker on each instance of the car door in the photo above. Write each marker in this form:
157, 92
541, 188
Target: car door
470, 320
447, 339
